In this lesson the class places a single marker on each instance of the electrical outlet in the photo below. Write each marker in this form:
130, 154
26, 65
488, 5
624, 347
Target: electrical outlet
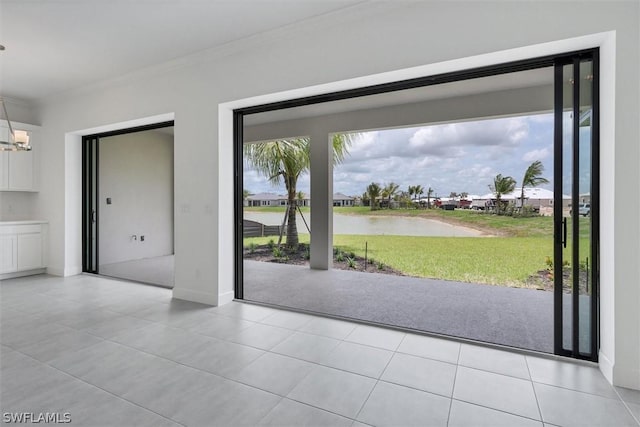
142, 238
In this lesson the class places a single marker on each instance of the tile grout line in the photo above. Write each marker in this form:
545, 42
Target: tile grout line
157, 322
534, 390
99, 388
626, 405
502, 411
380, 376
453, 388
295, 330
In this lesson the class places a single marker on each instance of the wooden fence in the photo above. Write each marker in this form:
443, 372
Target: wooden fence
256, 229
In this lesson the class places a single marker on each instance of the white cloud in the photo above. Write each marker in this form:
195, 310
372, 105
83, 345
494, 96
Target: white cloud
463, 156
533, 155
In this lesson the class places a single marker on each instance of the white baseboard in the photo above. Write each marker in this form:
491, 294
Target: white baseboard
55, 271
72, 271
225, 297
195, 296
606, 366
628, 377
22, 273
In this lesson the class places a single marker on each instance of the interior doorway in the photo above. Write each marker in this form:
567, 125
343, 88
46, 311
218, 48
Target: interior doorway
128, 221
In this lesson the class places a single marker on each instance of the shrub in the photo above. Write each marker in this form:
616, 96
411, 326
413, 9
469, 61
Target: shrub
380, 265
271, 244
339, 257
278, 253
252, 247
351, 263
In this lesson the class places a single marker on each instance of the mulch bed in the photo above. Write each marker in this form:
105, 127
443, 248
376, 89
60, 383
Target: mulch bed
265, 253
543, 280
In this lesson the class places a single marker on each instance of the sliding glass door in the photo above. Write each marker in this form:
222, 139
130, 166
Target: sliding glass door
576, 206
90, 205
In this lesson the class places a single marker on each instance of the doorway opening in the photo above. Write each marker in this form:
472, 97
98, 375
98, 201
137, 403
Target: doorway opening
441, 284
128, 201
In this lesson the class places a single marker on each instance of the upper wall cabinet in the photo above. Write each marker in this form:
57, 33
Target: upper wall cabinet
19, 169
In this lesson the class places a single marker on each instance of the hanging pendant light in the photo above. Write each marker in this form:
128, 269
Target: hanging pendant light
13, 140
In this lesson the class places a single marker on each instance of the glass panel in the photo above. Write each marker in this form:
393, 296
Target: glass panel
93, 220
567, 183
276, 213
584, 209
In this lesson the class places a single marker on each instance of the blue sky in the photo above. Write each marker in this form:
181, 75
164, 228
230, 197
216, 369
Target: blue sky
454, 157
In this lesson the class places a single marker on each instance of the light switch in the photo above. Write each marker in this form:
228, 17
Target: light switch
108, 200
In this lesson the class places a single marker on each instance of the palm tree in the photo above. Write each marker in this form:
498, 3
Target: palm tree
299, 198
374, 190
429, 194
283, 161
419, 191
502, 185
411, 190
245, 194
365, 198
532, 178
389, 191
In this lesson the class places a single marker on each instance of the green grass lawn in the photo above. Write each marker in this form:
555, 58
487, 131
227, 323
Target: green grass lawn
518, 251
492, 260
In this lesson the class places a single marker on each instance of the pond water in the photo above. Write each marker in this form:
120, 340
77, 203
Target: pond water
374, 225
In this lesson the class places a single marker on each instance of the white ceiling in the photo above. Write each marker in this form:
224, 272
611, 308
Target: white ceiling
57, 45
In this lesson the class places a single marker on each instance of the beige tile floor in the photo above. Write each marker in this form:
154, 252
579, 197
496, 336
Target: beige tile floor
115, 353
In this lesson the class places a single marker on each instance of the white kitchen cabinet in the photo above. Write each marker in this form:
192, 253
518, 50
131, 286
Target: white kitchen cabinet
18, 169
4, 170
23, 246
29, 251
8, 253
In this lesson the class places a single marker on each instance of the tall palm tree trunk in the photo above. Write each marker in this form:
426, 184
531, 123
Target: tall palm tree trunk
292, 229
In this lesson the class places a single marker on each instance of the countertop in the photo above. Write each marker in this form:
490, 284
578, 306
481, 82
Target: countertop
24, 222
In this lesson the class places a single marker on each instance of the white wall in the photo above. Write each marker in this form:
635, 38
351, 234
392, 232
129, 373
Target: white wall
16, 206
136, 172
378, 37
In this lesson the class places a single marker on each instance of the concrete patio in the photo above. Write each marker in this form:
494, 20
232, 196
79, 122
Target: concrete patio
514, 317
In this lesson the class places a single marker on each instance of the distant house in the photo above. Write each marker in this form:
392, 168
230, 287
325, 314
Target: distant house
265, 199
272, 199
342, 200
538, 198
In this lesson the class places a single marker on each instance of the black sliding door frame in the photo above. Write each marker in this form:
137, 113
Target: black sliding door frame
560, 224
510, 67
90, 205
91, 192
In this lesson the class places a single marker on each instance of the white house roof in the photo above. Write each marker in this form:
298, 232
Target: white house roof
266, 196
529, 193
340, 196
